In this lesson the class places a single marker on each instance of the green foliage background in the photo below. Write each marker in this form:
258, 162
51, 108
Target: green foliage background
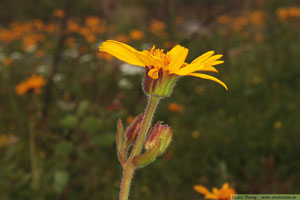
248, 136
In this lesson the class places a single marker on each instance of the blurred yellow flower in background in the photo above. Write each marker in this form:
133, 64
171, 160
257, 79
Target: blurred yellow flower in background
277, 124
32, 84
217, 194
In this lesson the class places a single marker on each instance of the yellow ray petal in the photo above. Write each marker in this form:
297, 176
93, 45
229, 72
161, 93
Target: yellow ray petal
215, 190
211, 196
195, 67
178, 55
201, 189
205, 76
213, 58
203, 57
218, 62
123, 52
225, 186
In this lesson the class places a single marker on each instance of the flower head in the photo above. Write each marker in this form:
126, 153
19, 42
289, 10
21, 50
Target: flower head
32, 84
159, 134
217, 194
160, 64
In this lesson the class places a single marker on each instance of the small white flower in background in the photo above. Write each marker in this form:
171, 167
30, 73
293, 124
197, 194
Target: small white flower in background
127, 69
16, 55
86, 58
125, 83
31, 49
2, 56
71, 53
191, 27
42, 69
58, 78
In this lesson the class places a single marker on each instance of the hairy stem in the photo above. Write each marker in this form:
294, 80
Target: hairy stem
137, 148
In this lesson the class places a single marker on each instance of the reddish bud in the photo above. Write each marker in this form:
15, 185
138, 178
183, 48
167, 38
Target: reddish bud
159, 133
134, 128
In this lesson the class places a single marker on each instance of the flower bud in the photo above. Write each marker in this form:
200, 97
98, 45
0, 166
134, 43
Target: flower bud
134, 128
159, 133
162, 86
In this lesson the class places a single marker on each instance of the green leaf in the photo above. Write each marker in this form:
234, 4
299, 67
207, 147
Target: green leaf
64, 148
91, 124
83, 106
104, 140
61, 179
70, 121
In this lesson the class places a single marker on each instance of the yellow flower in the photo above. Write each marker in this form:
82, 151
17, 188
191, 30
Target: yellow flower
217, 194
32, 84
160, 65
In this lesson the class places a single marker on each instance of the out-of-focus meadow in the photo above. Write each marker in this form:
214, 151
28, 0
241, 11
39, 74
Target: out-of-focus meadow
57, 89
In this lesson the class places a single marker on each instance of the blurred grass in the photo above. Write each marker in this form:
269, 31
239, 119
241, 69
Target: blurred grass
247, 136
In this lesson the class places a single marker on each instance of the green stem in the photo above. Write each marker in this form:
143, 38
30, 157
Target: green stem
137, 148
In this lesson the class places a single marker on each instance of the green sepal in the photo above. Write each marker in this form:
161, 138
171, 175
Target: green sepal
120, 143
148, 157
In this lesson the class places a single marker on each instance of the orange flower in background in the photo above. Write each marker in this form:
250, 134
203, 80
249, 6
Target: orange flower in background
7, 36
169, 44
289, 12
136, 34
223, 19
73, 26
178, 20
92, 21
32, 84
83, 49
258, 18
218, 194
130, 119
105, 56
122, 38
156, 26
7, 61
175, 107
59, 13
39, 53
7, 140
51, 28
70, 41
